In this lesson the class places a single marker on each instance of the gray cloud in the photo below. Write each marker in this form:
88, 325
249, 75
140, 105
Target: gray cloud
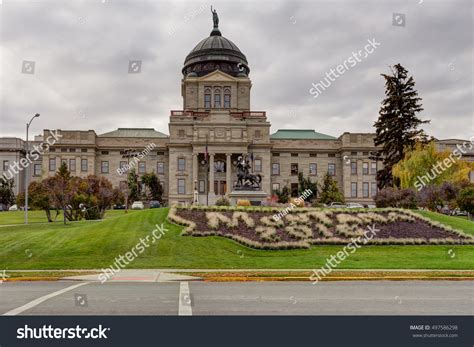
82, 49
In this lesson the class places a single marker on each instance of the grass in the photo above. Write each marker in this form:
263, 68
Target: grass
94, 245
18, 217
461, 223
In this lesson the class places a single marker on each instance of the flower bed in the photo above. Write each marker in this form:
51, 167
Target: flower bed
255, 227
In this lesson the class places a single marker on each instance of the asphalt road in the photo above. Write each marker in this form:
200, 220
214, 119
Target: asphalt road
238, 298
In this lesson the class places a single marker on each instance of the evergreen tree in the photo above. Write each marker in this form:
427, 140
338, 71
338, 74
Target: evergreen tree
134, 188
329, 191
397, 127
7, 196
305, 184
152, 182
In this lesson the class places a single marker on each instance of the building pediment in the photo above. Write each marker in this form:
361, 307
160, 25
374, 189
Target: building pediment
219, 76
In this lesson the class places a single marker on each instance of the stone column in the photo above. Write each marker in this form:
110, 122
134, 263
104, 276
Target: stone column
211, 174
195, 170
228, 173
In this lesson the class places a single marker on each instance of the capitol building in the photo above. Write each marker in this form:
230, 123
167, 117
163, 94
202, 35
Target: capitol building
216, 123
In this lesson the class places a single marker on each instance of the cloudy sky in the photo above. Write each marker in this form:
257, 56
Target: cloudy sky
81, 52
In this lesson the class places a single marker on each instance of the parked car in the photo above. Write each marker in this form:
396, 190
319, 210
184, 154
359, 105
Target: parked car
138, 205
119, 207
458, 212
354, 205
371, 206
154, 204
13, 208
336, 205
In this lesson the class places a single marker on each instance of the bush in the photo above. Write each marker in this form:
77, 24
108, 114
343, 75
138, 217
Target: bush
222, 202
393, 197
465, 200
297, 202
387, 197
283, 195
243, 202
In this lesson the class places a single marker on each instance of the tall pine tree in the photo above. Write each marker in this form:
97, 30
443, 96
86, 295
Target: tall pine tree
398, 126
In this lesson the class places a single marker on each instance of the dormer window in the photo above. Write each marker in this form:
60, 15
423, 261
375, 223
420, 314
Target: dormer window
217, 98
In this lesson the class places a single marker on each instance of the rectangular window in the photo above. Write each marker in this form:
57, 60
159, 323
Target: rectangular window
275, 169
207, 100
373, 189
313, 155
217, 100
52, 164
294, 169
353, 168
365, 168
84, 165
122, 164
72, 149
373, 168
104, 167
353, 153
181, 186
365, 153
257, 165
202, 186
72, 165
227, 100
181, 164
37, 170
331, 155
160, 153
5, 165
332, 169
63, 149
84, 150
276, 154
160, 167
365, 189
275, 187
313, 169
142, 167
354, 190
104, 152
52, 149
294, 190
294, 154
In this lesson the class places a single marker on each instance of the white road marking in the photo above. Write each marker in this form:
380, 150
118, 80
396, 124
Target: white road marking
184, 308
42, 299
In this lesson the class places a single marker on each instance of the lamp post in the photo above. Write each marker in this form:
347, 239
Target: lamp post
205, 165
27, 167
127, 154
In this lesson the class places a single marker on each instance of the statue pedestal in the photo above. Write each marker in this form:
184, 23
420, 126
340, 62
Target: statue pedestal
256, 197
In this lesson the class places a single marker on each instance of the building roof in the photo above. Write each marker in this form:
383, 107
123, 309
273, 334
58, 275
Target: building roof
300, 134
134, 132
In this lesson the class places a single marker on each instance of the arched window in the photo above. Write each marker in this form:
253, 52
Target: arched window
217, 98
207, 98
227, 98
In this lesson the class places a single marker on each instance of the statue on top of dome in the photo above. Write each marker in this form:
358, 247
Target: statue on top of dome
215, 18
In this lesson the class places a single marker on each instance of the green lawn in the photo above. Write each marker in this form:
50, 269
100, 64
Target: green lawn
92, 245
18, 217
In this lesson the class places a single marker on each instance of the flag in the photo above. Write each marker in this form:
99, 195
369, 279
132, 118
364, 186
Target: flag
251, 157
